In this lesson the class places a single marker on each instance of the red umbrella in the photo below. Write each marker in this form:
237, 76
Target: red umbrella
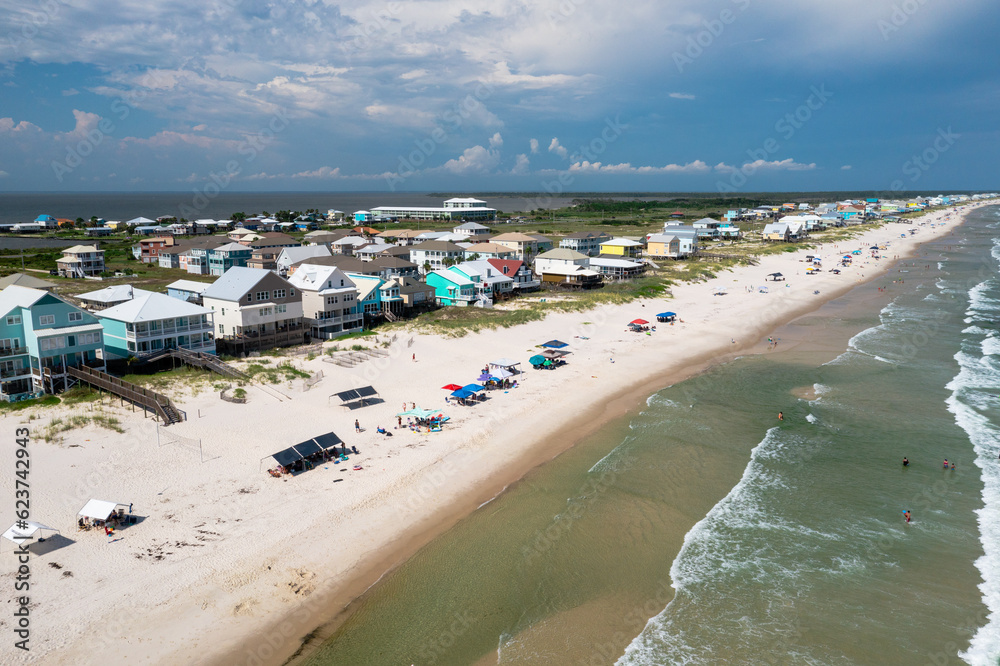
451, 387
640, 322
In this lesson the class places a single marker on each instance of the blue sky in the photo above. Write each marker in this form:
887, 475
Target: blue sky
452, 95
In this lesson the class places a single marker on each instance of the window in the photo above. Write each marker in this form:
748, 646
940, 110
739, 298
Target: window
249, 298
46, 320
264, 312
222, 329
75, 316
279, 293
88, 338
50, 344
281, 308
13, 320
263, 295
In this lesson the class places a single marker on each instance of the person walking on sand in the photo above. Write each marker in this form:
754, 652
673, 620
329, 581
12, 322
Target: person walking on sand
357, 426
414, 356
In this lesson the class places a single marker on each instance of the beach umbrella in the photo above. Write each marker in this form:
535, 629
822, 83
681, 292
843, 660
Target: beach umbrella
537, 359
554, 344
451, 387
547, 362
483, 377
639, 322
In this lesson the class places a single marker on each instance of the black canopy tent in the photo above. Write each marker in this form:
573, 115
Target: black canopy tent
302, 450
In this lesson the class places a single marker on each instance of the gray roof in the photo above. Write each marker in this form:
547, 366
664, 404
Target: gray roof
235, 282
22, 280
116, 293
151, 306
296, 254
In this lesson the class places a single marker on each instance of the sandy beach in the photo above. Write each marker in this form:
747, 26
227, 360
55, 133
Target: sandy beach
230, 565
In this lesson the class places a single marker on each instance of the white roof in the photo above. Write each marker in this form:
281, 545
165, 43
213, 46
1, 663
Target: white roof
472, 226
622, 242
16, 296
116, 293
140, 221
466, 200
311, 277
99, 509
616, 263
17, 535
189, 285
505, 363
350, 240
68, 330
80, 249
150, 306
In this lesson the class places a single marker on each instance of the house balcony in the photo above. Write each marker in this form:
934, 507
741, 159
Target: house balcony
10, 351
16, 373
153, 334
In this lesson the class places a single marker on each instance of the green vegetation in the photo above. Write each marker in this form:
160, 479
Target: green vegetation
47, 401
170, 381
53, 431
79, 394
240, 394
284, 371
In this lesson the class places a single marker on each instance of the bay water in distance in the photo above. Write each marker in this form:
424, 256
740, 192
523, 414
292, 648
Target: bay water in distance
703, 531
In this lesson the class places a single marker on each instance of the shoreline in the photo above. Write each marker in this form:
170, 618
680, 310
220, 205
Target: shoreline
617, 406
254, 615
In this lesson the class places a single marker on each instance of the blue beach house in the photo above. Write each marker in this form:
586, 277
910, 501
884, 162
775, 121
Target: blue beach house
41, 336
150, 322
452, 287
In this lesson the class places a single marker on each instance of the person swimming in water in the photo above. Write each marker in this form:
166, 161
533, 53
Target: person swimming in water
781, 416
946, 463
906, 514
906, 462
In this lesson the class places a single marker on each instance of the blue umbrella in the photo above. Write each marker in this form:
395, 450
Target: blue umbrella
555, 344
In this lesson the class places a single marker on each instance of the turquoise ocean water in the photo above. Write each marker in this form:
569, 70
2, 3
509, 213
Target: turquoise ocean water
703, 531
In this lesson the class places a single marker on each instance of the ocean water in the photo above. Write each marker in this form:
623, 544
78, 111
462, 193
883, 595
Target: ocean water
701, 530
25, 207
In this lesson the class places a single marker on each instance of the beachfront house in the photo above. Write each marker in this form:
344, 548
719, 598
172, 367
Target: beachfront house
487, 251
41, 336
491, 284
435, 255
519, 273
560, 257
81, 261
621, 247
150, 322
224, 257
524, 246
415, 294
149, 248
23, 280
254, 309
706, 227
473, 231
187, 290
776, 231
617, 268
108, 297
675, 244
566, 268
293, 255
377, 296
330, 306
452, 287
585, 242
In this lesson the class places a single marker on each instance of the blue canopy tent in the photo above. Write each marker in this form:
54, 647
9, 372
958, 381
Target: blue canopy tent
554, 344
666, 316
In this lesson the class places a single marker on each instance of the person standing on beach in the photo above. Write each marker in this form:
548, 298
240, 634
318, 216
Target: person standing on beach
357, 426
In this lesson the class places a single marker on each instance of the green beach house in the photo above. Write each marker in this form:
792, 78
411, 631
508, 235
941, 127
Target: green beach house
41, 336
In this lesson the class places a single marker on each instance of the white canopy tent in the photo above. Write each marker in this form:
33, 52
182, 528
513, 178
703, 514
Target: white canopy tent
18, 535
96, 509
507, 364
